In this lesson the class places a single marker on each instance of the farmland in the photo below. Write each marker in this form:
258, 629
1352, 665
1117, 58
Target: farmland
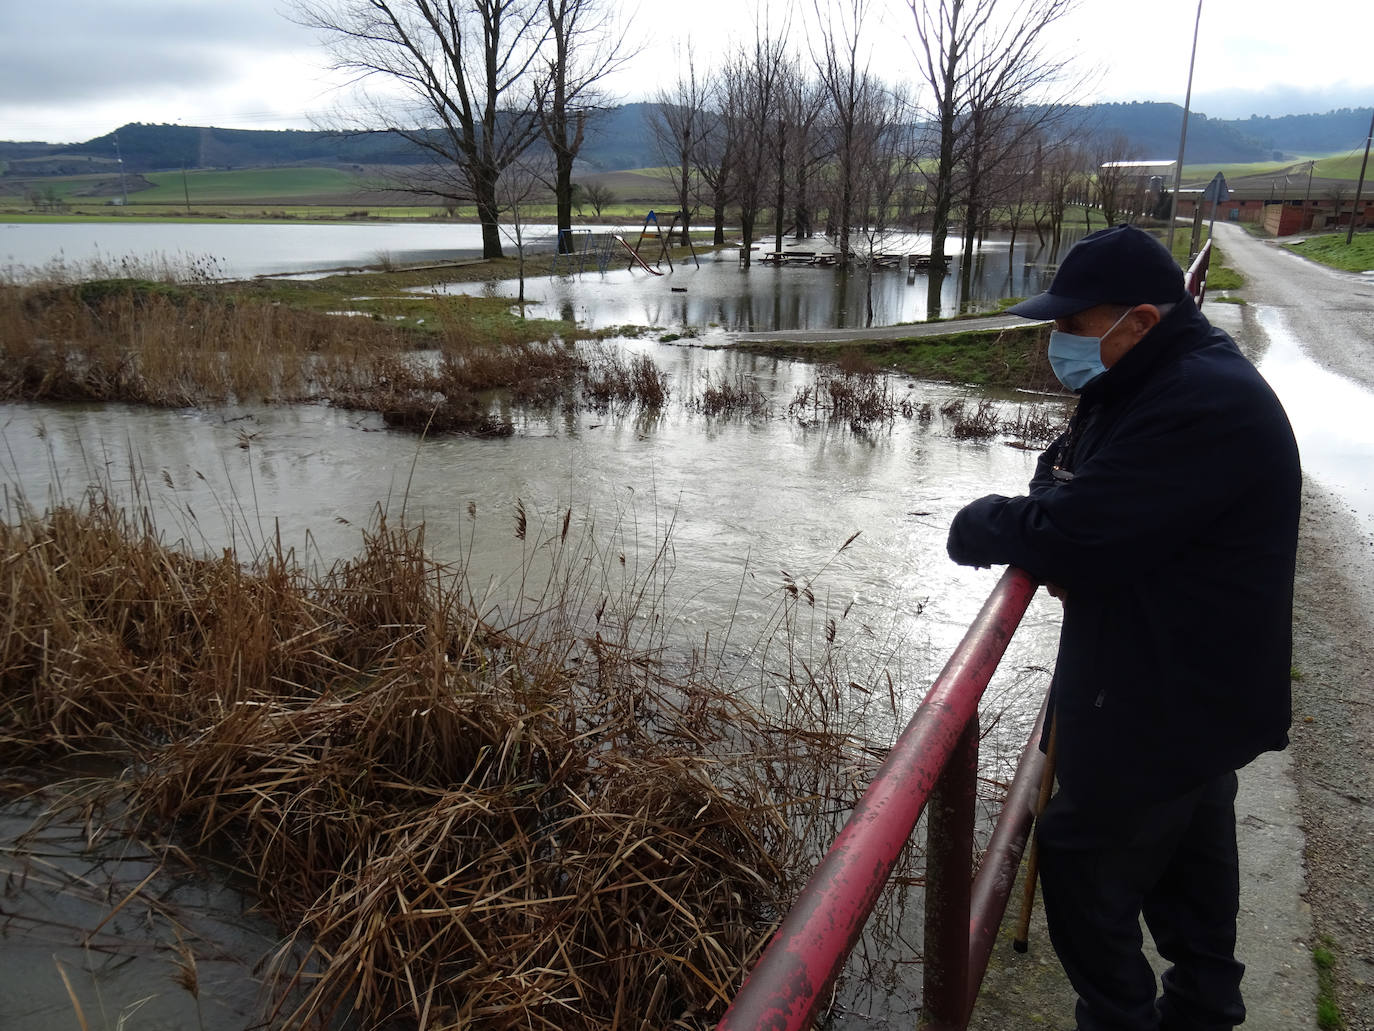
255, 194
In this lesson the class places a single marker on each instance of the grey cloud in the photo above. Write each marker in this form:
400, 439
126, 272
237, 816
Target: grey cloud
115, 49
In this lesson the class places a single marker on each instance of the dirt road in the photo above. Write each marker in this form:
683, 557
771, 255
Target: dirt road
1331, 314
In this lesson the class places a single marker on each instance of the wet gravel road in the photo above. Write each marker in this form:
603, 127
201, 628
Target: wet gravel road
1331, 314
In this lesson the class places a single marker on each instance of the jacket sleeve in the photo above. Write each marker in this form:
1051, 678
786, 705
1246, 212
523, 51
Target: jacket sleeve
1169, 470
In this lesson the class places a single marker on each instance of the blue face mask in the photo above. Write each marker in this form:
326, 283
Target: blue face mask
1077, 360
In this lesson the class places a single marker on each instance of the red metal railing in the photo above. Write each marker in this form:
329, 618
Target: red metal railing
934, 761
1196, 277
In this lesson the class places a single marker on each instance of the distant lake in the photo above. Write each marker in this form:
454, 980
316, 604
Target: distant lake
244, 250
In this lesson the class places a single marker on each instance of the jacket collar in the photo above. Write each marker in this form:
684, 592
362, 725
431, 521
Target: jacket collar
1183, 329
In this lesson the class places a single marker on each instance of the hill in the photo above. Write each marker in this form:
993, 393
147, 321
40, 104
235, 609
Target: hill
620, 138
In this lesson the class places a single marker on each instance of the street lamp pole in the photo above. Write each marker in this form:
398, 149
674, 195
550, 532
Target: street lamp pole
1183, 135
1350, 233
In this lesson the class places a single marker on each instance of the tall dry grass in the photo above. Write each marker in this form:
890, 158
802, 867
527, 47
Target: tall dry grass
194, 342
175, 345
461, 814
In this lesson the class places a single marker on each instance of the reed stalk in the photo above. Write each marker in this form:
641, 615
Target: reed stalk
460, 813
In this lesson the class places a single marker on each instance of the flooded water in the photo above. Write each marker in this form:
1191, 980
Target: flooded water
743, 504
241, 251
720, 294
69, 960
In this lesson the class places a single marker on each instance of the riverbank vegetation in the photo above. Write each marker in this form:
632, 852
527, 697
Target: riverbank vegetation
425, 361
460, 813
1012, 359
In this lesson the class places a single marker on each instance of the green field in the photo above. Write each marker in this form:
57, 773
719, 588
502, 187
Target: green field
251, 185
1328, 166
255, 194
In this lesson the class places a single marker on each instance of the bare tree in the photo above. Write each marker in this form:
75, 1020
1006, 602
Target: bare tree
677, 121
883, 165
582, 49
787, 113
842, 65
975, 56
752, 90
809, 152
523, 184
598, 195
715, 157
465, 65
1109, 181
1061, 165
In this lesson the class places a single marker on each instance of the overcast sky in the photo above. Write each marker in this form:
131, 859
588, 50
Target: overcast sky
76, 69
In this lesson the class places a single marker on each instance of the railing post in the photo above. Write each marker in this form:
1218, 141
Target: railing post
794, 975
949, 875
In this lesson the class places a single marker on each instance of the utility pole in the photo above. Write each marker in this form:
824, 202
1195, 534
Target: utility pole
1350, 233
1183, 134
124, 191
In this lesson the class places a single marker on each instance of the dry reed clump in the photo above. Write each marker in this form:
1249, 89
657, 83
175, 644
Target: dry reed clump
978, 422
1027, 426
174, 345
740, 396
458, 391
187, 343
460, 820
611, 379
861, 397
1038, 425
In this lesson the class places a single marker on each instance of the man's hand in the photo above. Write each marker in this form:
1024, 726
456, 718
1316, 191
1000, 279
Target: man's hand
967, 528
1056, 591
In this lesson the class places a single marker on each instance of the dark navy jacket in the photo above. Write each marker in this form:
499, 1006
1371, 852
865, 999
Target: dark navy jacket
1172, 525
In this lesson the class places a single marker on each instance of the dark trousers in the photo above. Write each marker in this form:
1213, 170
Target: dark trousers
1175, 863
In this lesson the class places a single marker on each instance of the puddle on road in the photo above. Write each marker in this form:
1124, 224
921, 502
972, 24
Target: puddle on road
1330, 417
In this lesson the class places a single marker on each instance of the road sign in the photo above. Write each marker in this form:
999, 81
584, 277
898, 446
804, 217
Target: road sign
1216, 191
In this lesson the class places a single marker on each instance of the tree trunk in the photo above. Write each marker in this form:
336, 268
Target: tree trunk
484, 186
562, 189
781, 206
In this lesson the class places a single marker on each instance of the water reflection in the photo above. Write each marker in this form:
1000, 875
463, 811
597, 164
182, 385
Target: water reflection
720, 294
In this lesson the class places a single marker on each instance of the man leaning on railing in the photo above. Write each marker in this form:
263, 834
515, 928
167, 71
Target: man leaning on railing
1165, 518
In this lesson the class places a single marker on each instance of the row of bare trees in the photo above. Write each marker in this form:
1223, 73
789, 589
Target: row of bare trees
475, 83
824, 137
794, 123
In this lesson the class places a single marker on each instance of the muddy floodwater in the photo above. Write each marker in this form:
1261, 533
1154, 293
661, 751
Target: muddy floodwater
741, 503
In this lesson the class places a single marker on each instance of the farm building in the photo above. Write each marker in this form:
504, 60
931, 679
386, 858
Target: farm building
1282, 202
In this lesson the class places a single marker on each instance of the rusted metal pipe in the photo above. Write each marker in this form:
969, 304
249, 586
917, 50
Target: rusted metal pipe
794, 974
997, 873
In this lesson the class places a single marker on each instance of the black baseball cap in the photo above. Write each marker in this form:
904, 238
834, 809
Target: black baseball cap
1119, 265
